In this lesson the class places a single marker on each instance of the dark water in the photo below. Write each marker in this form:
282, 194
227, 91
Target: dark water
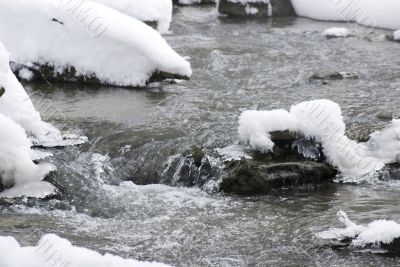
237, 65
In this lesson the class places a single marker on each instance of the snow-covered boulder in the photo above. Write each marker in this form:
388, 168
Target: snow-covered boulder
371, 13
394, 37
55, 251
18, 174
16, 104
322, 121
256, 8
86, 41
149, 11
336, 33
379, 234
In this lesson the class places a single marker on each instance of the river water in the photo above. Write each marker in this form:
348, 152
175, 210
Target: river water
237, 65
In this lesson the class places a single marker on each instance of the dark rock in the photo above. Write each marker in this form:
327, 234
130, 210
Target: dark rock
282, 8
251, 177
47, 73
225, 7
2, 91
393, 247
202, 2
333, 75
390, 37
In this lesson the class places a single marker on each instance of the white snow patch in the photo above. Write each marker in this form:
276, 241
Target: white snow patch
375, 233
159, 11
91, 37
372, 13
396, 35
251, 10
336, 32
17, 169
322, 120
53, 250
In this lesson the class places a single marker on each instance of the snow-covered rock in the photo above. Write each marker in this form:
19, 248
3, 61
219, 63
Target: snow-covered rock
336, 33
378, 234
18, 174
159, 11
372, 13
58, 252
255, 8
323, 121
86, 41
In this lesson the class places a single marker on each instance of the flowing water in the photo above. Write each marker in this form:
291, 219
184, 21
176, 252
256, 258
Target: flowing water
238, 65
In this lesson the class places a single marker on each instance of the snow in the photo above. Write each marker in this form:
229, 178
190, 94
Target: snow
336, 32
396, 35
58, 252
93, 38
17, 169
375, 233
323, 121
372, 13
159, 11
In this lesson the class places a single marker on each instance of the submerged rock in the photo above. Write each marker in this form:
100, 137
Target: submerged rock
334, 75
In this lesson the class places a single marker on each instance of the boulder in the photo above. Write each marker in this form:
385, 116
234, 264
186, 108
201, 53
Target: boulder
256, 9
252, 177
391, 37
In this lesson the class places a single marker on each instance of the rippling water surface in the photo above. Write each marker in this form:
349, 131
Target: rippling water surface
237, 65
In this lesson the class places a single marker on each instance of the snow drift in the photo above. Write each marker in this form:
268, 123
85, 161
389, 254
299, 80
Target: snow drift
159, 11
58, 252
86, 41
372, 13
323, 121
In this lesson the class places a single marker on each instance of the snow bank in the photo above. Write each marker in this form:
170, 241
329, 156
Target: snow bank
97, 41
57, 252
323, 121
376, 233
372, 13
336, 32
16, 167
159, 11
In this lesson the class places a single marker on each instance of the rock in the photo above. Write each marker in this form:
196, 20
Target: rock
282, 8
251, 177
2, 91
256, 9
48, 73
393, 248
390, 37
199, 2
333, 75
385, 116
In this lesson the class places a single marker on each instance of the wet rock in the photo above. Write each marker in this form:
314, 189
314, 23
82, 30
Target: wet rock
334, 75
385, 116
199, 2
251, 177
393, 248
237, 9
390, 37
2, 91
257, 9
48, 73
282, 8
